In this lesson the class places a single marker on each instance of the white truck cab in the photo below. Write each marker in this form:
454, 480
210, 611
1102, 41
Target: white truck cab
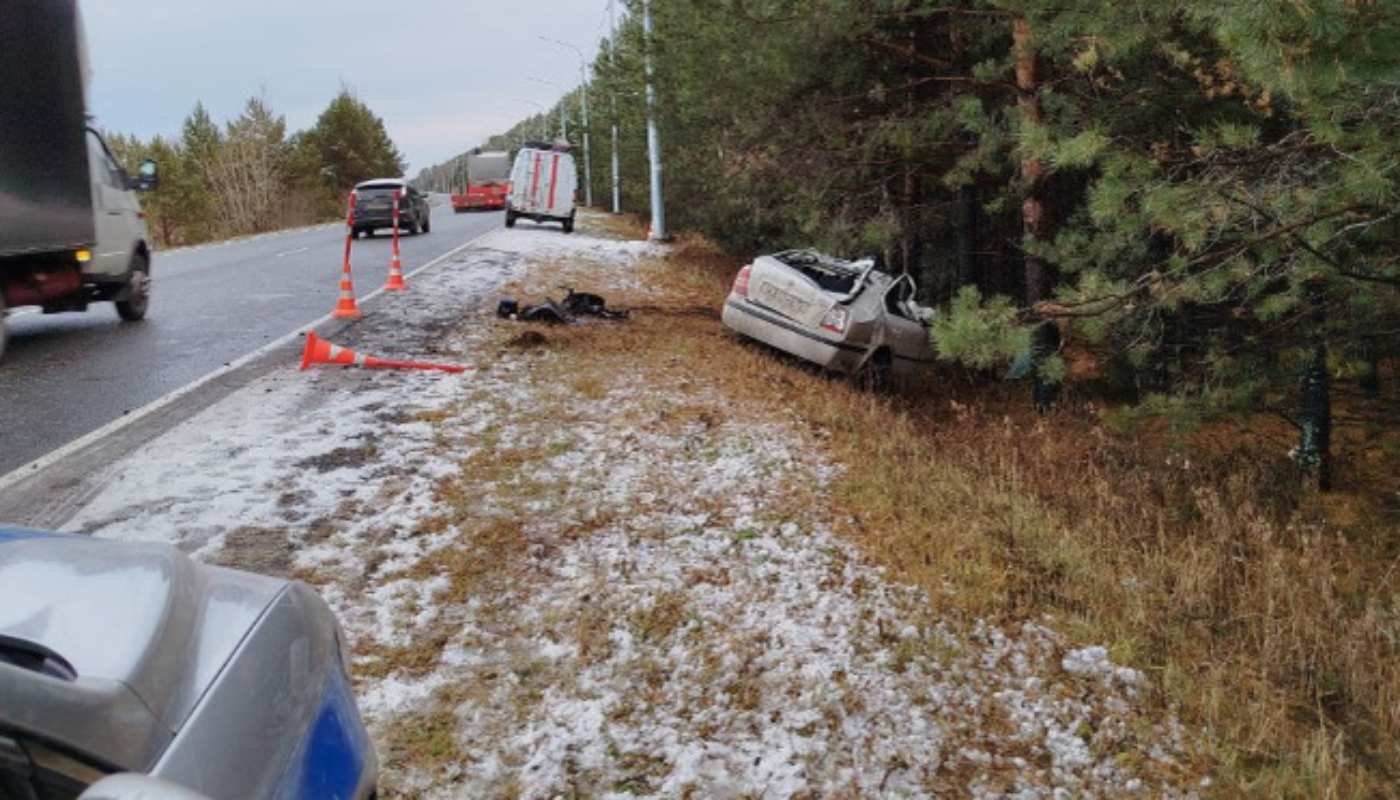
121, 230
71, 230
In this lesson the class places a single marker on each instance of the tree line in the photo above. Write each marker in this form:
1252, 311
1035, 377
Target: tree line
1196, 198
250, 176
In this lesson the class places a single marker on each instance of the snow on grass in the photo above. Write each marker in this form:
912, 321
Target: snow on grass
562, 576
298, 447
715, 640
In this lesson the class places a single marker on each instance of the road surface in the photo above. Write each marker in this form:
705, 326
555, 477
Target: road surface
65, 375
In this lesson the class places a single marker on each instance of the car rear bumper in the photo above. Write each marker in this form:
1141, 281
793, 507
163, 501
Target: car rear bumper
787, 335
536, 216
484, 201
371, 219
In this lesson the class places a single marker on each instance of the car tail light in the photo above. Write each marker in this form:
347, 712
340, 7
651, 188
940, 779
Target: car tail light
836, 319
741, 281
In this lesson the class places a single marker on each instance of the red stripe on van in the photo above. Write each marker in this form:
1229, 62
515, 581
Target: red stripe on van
535, 183
553, 180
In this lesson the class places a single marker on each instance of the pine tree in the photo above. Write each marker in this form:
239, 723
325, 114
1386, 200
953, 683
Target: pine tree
348, 144
200, 141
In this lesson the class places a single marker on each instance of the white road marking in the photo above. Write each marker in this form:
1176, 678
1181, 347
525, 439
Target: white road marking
132, 417
243, 239
294, 252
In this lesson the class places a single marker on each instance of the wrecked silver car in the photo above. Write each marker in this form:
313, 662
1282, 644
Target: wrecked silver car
846, 316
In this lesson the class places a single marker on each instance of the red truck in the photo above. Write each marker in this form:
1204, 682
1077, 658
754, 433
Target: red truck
487, 183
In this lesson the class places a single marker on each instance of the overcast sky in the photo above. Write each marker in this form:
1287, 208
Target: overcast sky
443, 74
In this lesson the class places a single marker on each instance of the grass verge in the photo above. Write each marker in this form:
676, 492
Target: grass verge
1268, 617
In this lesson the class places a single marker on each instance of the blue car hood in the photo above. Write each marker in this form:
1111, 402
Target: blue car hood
145, 629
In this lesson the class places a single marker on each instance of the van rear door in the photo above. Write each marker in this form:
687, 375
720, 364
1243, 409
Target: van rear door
544, 183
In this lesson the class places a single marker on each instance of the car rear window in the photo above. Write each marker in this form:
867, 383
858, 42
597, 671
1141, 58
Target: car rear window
830, 274
378, 189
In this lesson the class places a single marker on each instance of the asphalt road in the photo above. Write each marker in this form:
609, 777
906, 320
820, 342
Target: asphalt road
65, 375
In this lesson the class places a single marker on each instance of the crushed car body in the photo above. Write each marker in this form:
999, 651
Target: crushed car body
845, 316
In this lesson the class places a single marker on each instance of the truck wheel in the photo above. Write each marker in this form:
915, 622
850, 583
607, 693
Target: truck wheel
137, 291
510, 219
569, 223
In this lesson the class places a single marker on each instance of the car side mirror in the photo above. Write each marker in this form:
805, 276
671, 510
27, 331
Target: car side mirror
147, 176
137, 787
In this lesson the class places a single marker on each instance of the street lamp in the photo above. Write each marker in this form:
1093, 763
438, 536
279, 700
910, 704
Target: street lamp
583, 104
563, 122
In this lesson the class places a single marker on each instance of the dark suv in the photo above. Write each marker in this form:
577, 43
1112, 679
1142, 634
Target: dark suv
374, 207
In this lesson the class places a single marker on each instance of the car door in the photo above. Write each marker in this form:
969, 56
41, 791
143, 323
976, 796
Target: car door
114, 211
908, 339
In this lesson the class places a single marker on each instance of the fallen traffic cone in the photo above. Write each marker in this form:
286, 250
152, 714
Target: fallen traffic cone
320, 351
345, 307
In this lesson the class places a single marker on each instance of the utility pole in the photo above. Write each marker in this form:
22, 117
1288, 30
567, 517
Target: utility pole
658, 205
612, 62
587, 149
583, 106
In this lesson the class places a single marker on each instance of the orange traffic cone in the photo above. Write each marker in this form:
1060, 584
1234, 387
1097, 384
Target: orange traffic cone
345, 307
320, 351
396, 283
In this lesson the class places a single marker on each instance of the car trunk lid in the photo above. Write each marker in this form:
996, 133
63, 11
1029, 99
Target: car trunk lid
803, 286
375, 198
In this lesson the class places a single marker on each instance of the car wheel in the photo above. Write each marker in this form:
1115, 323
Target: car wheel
877, 375
510, 219
369, 233
137, 292
428, 225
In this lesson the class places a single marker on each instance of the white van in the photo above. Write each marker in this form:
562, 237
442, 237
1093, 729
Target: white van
542, 186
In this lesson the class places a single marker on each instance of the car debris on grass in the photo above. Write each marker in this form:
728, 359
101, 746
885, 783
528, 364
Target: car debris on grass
574, 306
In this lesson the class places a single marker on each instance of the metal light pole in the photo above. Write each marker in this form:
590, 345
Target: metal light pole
612, 62
658, 205
583, 106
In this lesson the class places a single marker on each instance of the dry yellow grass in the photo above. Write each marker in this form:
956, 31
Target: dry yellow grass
1269, 626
